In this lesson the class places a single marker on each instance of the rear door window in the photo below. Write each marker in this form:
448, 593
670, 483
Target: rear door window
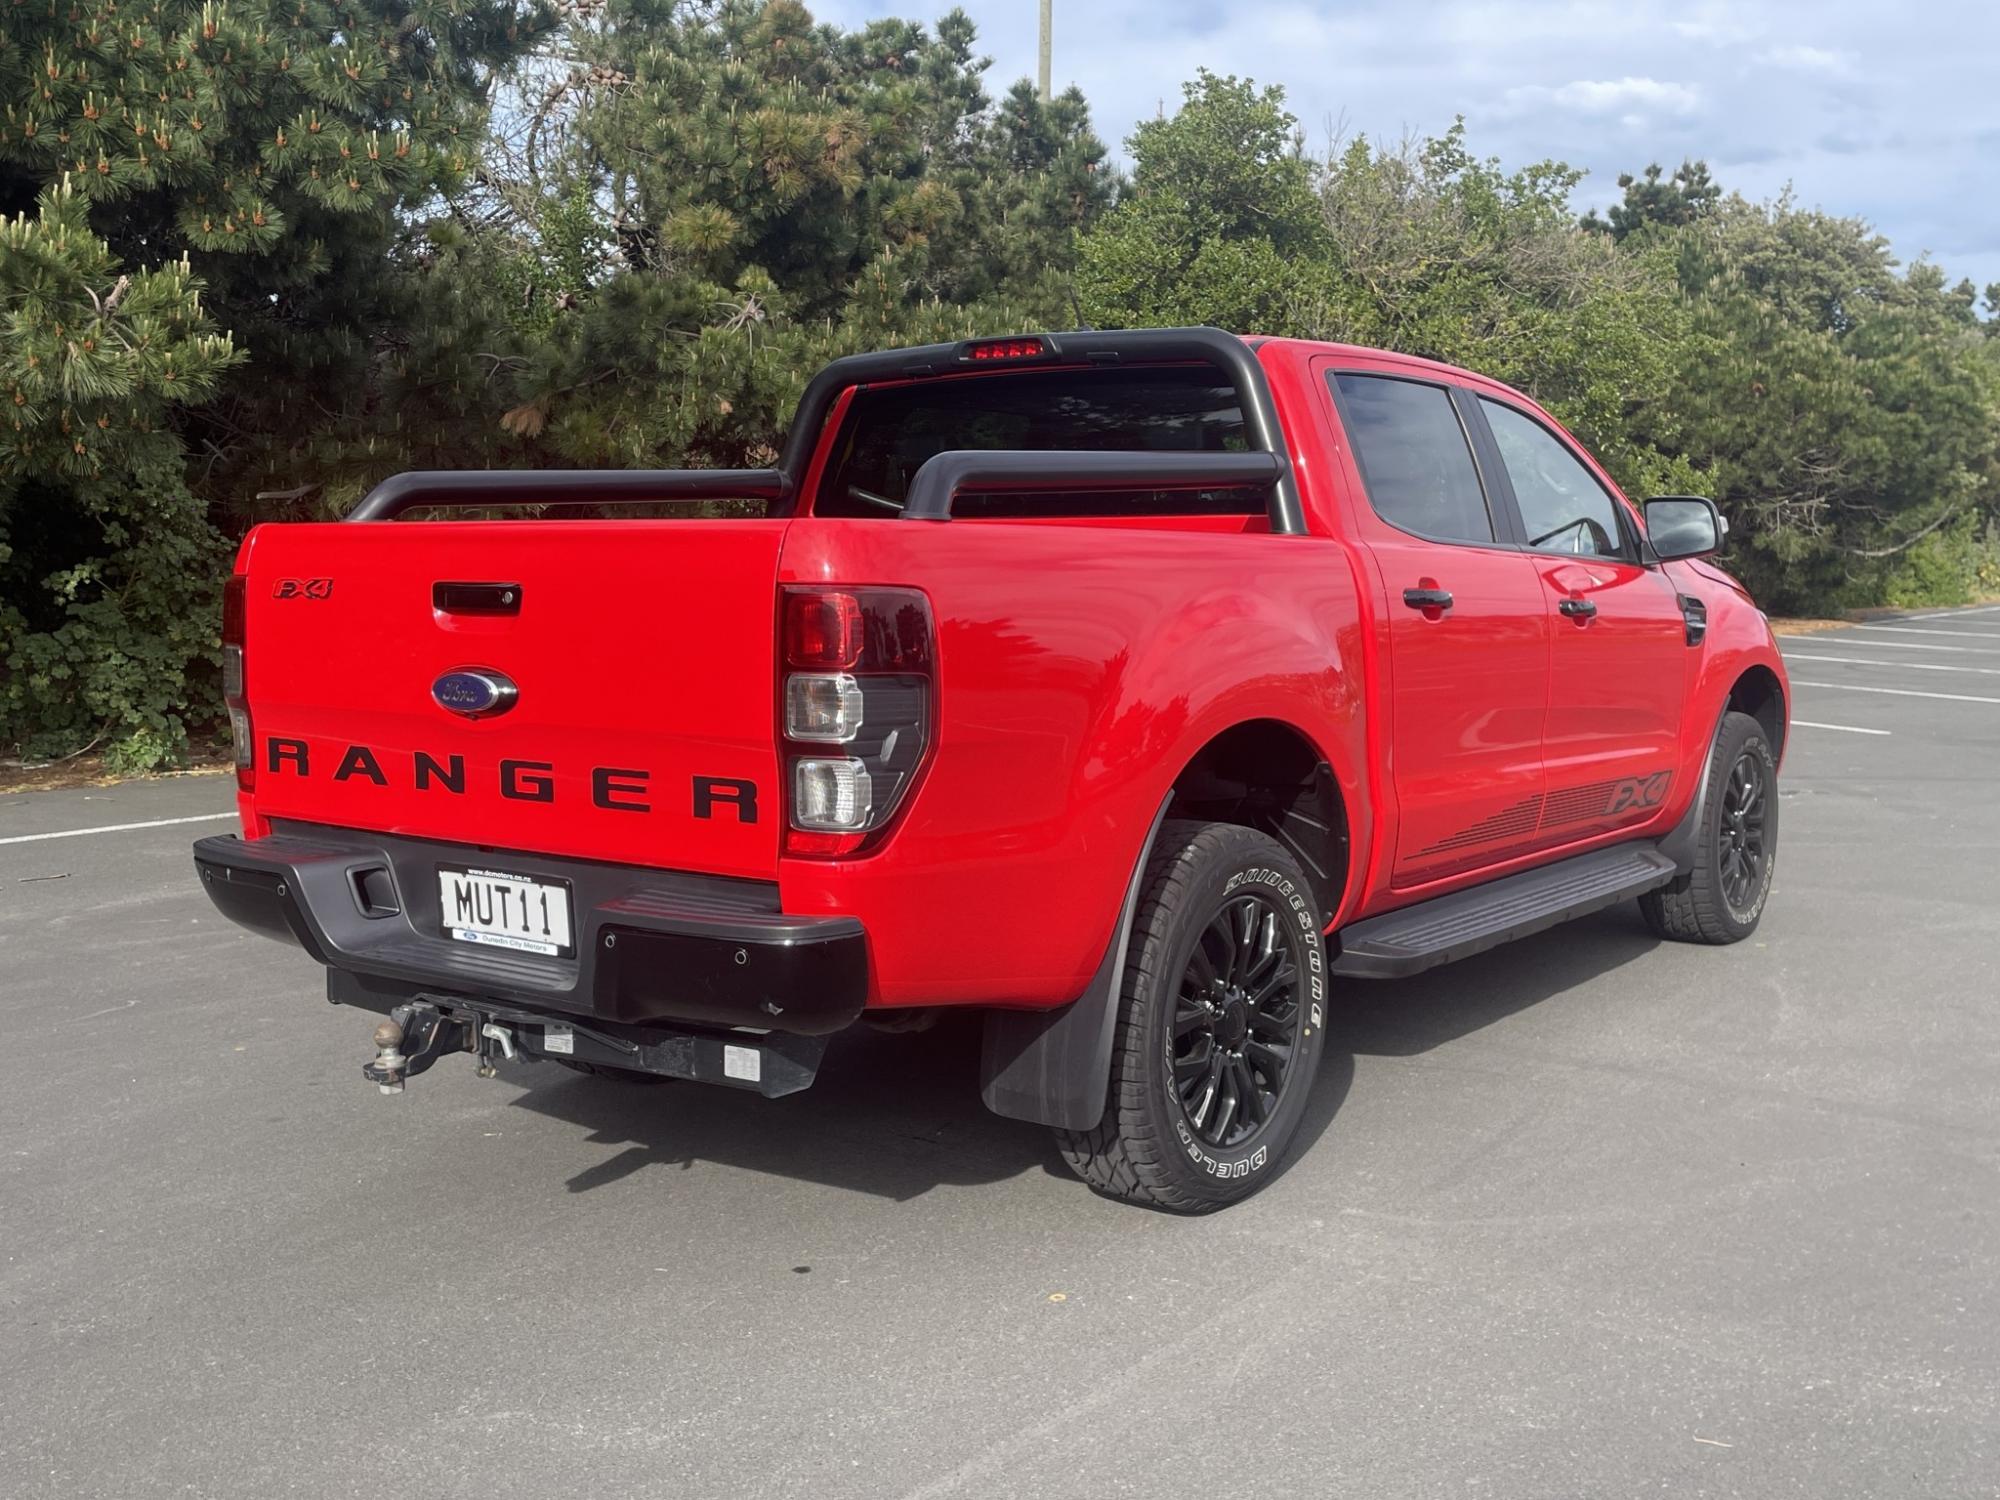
1415, 459
891, 431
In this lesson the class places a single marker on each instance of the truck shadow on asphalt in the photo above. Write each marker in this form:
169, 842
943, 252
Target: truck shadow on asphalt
896, 1116
1409, 1017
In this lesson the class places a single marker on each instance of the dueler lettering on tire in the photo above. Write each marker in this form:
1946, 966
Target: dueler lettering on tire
1302, 913
1221, 1022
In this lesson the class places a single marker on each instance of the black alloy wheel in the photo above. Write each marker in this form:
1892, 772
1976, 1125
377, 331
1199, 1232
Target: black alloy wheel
1745, 808
1236, 1023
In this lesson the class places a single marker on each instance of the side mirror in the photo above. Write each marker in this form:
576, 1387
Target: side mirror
1684, 526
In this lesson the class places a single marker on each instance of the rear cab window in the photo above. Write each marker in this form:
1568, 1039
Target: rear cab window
891, 431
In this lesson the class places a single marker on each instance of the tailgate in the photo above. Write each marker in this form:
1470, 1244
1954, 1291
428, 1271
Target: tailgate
642, 729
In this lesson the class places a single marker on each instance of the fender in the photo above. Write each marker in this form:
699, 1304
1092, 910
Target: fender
1053, 1067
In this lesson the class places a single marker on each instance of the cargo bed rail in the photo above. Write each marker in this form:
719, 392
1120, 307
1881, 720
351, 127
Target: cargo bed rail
420, 488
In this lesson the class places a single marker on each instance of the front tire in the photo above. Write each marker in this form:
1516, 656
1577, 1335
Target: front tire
1722, 898
1221, 1022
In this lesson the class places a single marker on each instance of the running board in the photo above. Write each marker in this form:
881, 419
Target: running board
1443, 928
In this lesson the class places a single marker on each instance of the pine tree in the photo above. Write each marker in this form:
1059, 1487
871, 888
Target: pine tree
269, 151
773, 192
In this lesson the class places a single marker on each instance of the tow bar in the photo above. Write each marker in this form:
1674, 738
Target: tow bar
420, 1032
426, 1031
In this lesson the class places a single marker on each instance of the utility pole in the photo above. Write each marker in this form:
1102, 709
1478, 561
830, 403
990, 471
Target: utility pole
1048, 26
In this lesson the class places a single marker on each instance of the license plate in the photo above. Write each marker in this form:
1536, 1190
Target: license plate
505, 911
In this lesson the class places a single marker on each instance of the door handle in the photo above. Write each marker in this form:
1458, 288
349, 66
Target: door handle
1427, 598
1580, 609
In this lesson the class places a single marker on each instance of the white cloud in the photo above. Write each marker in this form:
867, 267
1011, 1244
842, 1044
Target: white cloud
1634, 100
1715, 27
1805, 59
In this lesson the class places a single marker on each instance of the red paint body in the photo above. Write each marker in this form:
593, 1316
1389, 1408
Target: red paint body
1081, 666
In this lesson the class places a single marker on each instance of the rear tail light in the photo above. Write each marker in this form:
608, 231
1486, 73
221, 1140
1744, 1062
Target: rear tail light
823, 708
822, 628
235, 696
855, 709
832, 796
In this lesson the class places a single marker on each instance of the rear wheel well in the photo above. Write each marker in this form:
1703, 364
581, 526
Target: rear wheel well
1759, 694
1264, 774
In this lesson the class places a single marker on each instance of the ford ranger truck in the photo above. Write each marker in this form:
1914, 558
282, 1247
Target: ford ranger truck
1137, 689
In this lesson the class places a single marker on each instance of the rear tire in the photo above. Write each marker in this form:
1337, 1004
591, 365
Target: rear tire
1221, 1021
1722, 898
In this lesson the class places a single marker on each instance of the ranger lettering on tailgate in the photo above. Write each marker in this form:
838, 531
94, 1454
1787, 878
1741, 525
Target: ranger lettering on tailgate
613, 788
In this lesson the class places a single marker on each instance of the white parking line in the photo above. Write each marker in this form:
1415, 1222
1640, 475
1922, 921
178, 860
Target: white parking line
1871, 644
1953, 614
77, 833
1906, 666
1855, 687
1843, 728
1979, 635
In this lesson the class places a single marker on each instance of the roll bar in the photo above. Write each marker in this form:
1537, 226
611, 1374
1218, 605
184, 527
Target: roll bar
944, 476
780, 486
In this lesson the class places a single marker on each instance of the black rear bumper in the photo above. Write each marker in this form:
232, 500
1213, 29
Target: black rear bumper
652, 946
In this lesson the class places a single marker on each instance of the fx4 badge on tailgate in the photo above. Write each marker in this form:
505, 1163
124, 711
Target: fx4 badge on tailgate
303, 588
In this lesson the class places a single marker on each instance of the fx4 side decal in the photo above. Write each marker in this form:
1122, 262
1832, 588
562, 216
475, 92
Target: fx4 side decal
1639, 791
303, 588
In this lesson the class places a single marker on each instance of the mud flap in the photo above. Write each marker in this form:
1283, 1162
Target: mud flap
1053, 1067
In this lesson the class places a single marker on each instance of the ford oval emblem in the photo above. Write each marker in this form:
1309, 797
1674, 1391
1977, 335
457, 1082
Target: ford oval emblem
474, 692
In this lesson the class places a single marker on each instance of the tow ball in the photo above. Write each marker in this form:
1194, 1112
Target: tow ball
415, 1036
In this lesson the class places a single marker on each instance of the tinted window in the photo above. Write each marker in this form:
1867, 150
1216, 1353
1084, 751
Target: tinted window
1562, 505
1414, 458
890, 433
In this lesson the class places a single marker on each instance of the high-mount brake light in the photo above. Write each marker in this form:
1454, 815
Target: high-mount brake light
859, 675
994, 351
235, 696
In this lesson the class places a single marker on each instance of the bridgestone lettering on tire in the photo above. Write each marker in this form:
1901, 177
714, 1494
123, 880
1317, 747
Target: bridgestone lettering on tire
1722, 898
1221, 1021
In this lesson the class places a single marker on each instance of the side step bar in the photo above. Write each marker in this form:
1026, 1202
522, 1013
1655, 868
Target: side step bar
1444, 928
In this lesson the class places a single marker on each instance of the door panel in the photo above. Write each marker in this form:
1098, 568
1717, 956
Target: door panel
1467, 631
1618, 659
1617, 683
1468, 699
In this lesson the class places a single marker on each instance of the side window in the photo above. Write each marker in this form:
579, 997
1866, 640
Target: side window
1562, 505
1415, 461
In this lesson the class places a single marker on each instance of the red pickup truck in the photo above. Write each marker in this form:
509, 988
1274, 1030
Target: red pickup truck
1132, 687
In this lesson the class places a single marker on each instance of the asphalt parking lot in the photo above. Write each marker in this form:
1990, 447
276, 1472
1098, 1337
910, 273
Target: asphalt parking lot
1589, 1216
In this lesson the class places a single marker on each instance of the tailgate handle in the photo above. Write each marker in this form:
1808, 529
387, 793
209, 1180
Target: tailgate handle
476, 598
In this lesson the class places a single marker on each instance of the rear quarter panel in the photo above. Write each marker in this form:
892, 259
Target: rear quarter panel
1080, 669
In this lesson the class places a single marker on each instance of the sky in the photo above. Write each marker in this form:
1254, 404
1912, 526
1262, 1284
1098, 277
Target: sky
1886, 112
